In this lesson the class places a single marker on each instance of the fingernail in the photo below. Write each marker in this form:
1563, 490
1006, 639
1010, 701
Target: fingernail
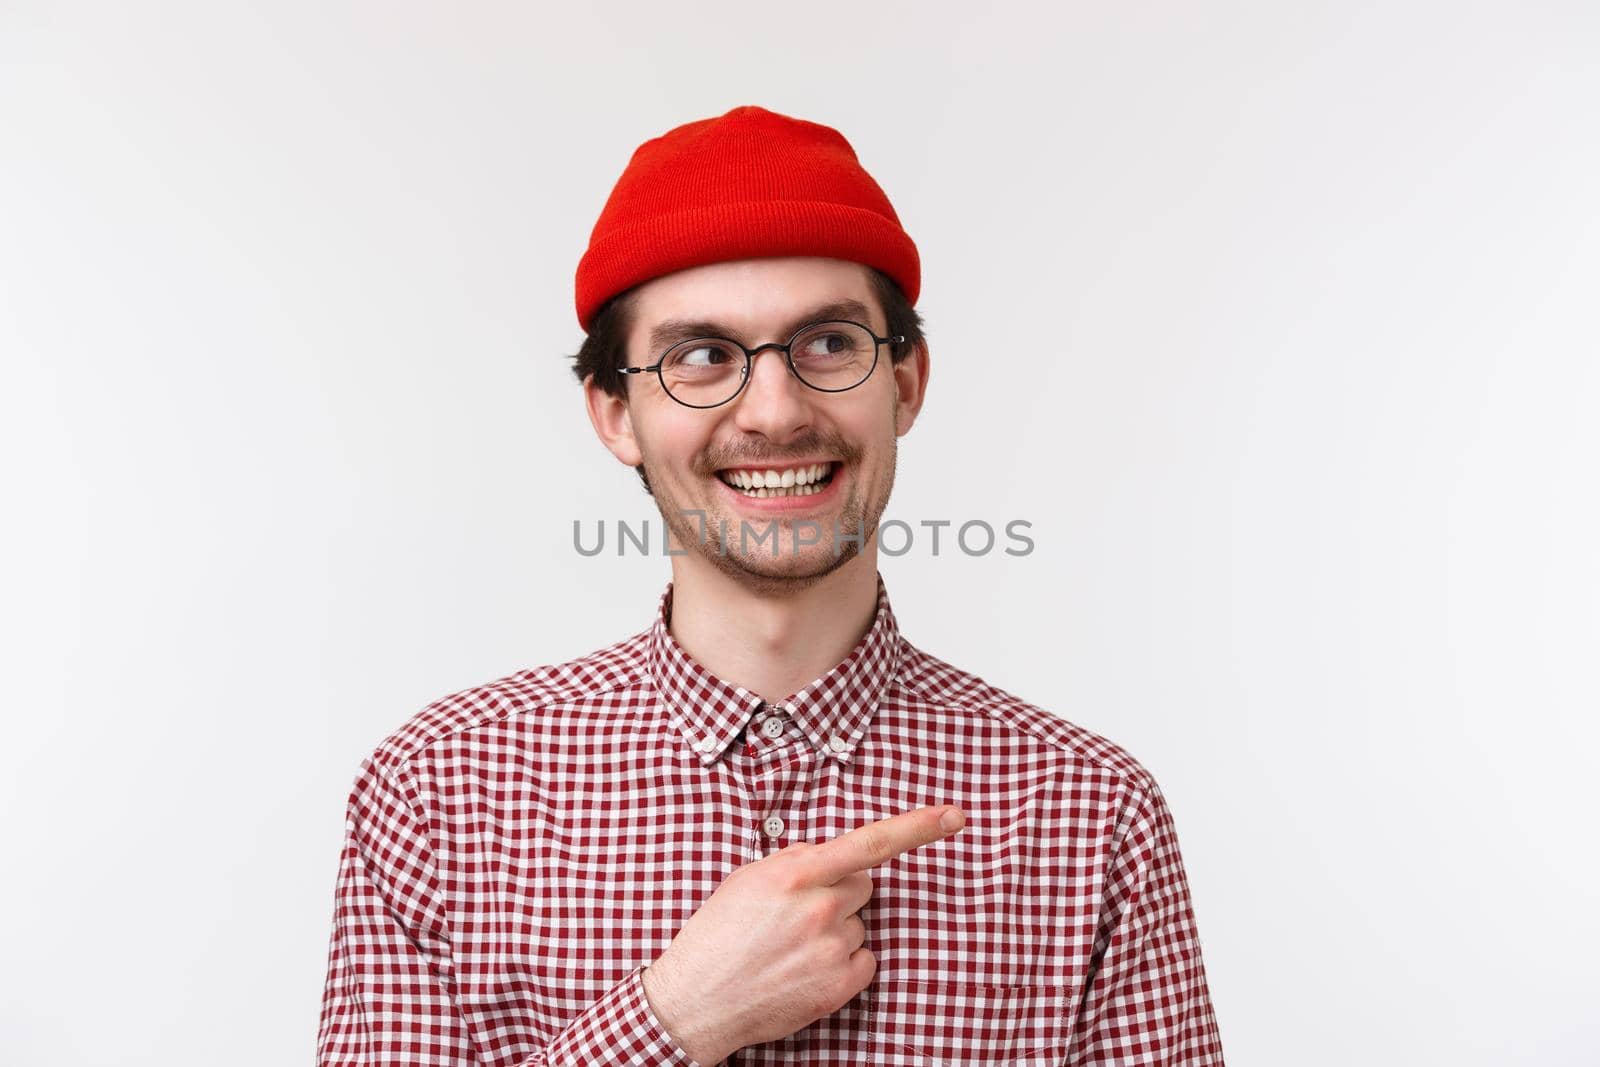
950, 821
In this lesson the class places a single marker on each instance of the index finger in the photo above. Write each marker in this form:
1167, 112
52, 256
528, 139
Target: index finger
878, 842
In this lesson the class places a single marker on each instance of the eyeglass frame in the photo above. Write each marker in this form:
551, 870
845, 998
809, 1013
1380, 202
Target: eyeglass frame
750, 355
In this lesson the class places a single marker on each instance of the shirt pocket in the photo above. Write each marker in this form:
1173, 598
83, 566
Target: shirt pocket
954, 1024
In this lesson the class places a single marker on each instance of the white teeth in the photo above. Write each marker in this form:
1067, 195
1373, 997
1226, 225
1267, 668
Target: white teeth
796, 481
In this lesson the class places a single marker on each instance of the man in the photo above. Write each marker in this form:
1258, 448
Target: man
766, 829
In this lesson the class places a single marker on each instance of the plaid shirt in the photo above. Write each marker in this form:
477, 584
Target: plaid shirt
518, 852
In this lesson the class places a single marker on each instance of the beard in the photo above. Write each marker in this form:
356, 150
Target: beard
762, 553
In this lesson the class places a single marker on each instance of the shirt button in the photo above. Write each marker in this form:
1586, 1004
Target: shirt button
705, 744
773, 827
837, 743
772, 728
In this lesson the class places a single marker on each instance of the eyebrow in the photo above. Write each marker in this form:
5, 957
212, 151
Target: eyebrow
669, 332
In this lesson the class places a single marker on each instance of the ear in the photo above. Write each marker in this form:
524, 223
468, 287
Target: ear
613, 422
910, 385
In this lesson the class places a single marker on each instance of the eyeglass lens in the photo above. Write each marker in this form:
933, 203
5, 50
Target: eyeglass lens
706, 371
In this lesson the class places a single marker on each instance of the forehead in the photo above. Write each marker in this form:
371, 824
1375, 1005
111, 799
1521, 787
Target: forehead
752, 299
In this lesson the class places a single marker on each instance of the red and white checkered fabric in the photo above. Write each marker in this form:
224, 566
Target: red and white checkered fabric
518, 852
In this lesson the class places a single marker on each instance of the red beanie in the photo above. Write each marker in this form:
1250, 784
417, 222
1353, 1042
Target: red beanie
748, 183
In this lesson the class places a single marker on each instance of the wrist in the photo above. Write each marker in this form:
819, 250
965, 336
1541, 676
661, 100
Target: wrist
679, 1025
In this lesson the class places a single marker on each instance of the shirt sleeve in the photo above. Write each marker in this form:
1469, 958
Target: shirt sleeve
389, 998
1146, 1000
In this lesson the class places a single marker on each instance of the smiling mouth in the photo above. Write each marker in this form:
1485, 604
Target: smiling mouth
781, 481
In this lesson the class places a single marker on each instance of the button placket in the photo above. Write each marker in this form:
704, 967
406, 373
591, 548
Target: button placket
772, 779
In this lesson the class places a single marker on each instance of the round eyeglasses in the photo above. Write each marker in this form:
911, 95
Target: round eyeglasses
707, 372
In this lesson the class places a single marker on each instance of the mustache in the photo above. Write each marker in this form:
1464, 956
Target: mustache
839, 450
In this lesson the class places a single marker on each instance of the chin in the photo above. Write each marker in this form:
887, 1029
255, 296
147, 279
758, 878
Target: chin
783, 574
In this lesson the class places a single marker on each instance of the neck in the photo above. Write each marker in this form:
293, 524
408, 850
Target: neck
772, 642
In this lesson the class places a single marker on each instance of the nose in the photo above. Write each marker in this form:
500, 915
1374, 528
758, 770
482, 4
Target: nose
773, 402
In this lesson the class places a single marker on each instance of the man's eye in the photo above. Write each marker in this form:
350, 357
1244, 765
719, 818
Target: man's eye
827, 346
700, 356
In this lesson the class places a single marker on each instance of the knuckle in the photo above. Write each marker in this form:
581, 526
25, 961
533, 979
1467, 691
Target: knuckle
818, 914
879, 847
793, 879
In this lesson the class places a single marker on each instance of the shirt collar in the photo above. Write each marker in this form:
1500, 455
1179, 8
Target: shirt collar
833, 711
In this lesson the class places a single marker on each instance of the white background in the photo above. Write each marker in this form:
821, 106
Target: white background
1277, 321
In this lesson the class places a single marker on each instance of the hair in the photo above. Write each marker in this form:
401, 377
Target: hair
605, 348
